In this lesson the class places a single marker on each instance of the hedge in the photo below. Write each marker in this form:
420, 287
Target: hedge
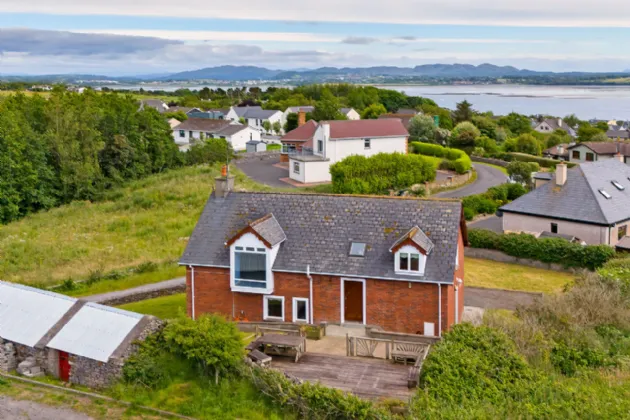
524, 157
490, 201
549, 250
455, 159
380, 173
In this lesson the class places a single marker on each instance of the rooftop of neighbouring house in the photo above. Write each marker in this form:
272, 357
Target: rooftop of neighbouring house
605, 147
595, 193
350, 129
221, 127
254, 112
560, 150
317, 231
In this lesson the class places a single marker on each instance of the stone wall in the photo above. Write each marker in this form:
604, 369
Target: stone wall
95, 374
248, 157
452, 181
8, 356
136, 297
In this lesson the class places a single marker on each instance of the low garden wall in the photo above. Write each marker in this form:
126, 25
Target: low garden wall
451, 181
248, 157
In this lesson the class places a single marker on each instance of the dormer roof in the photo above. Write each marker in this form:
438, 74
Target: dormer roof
415, 236
267, 229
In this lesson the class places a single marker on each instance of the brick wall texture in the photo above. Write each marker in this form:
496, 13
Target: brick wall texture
393, 305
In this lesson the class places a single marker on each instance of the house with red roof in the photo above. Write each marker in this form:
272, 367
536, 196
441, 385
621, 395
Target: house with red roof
312, 147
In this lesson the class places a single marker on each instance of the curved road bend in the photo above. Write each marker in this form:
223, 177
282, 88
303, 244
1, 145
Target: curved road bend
487, 177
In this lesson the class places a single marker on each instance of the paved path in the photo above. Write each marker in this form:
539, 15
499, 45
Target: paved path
135, 294
264, 172
497, 299
487, 177
19, 409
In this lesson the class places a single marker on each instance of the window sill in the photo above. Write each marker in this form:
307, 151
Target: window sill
410, 273
273, 319
255, 290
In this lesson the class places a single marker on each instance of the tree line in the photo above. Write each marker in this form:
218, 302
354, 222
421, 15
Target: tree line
74, 146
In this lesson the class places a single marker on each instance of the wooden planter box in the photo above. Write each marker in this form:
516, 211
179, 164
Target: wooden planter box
314, 332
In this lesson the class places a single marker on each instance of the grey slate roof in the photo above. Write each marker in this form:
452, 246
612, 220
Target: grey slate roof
254, 112
418, 237
269, 229
579, 198
319, 229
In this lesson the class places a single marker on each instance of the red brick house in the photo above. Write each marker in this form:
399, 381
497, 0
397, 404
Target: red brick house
391, 262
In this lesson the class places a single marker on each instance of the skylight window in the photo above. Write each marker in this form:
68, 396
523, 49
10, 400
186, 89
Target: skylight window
605, 194
357, 249
618, 185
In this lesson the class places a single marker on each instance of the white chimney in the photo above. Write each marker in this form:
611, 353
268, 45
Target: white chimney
559, 122
561, 174
560, 149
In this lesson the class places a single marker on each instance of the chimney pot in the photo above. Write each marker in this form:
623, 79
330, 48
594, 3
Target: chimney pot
561, 174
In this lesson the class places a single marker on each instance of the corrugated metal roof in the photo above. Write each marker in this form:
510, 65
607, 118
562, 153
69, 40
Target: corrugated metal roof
95, 331
27, 314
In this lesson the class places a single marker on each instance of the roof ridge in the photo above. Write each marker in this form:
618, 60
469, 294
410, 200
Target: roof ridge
390, 197
590, 188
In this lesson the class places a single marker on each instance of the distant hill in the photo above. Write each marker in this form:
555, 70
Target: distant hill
226, 73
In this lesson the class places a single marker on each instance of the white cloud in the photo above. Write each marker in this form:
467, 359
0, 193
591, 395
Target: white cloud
217, 35
558, 13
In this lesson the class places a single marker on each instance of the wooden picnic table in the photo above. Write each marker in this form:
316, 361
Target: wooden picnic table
282, 345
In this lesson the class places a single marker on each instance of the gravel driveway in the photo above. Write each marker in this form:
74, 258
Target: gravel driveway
17, 409
487, 177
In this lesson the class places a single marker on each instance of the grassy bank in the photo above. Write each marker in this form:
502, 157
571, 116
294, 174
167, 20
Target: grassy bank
164, 307
146, 221
497, 275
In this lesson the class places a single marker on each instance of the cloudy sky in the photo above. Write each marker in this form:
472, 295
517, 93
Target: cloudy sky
125, 37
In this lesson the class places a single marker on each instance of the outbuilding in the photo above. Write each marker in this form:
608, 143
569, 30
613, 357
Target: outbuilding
77, 341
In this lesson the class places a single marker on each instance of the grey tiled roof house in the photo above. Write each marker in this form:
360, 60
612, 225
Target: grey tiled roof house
590, 202
387, 261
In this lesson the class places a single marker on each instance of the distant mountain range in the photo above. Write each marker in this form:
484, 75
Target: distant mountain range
372, 74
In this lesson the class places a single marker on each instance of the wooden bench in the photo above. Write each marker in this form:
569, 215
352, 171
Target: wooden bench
403, 352
259, 357
253, 345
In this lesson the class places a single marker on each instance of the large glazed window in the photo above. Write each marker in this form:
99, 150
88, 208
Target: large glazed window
250, 267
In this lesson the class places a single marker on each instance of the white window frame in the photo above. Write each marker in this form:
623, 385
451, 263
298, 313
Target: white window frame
367, 144
294, 306
296, 165
266, 316
249, 240
422, 261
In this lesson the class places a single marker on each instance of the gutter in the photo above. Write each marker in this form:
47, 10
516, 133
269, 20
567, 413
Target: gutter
439, 310
310, 286
192, 284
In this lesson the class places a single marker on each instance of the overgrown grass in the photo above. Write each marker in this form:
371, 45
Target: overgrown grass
146, 221
95, 408
164, 307
498, 275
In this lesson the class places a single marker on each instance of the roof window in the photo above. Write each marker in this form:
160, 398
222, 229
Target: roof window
618, 185
605, 194
357, 249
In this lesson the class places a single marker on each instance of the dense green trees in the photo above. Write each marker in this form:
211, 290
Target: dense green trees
586, 132
422, 127
327, 108
73, 146
463, 112
464, 135
517, 124
373, 111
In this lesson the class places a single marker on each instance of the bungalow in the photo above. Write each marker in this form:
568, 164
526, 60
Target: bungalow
596, 151
194, 129
550, 125
156, 104
79, 342
558, 152
391, 262
313, 147
255, 116
590, 202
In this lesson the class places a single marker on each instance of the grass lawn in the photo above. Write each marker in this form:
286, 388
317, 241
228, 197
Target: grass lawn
164, 307
493, 274
146, 221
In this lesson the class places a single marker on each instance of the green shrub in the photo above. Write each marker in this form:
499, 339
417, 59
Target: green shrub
474, 363
209, 151
380, 173
617, 271
491, 200
543, 162
551, 250
456, 159
211, 341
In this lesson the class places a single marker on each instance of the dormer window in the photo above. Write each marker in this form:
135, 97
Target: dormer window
409, 261
250, 267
